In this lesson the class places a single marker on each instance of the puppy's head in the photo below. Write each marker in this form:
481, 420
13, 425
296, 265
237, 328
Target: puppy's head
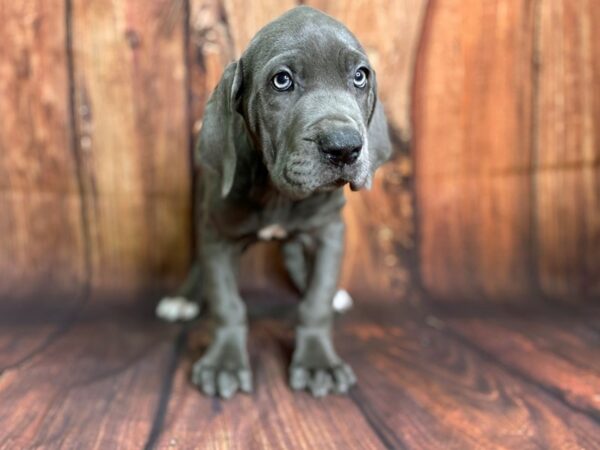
307, 94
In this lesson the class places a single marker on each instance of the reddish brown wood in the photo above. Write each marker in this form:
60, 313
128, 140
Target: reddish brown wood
380, 222
567, 158
472, 149
427, 389
506, 151
133, 136
506, 147
41, 231
99, 384
450, 380
274, 417
221, 31
565, 350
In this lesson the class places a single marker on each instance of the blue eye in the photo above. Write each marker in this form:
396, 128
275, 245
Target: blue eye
360, 78
282, 81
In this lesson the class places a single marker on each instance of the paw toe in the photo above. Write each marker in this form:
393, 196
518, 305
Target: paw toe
342, 382
349, 373
227, 384
204, 378
321, 383
298, 378
245, 380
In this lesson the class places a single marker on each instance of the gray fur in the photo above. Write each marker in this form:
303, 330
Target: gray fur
262, 165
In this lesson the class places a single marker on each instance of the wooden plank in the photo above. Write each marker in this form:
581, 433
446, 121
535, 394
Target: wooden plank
31, 324
220, 31
472, 148
119, 379
381, 263
567, 162
393, 58
98, 386
559, 353
426, 389
42, 245
274, 417
132, 132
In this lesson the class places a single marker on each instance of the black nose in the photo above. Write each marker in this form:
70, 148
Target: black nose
341, 146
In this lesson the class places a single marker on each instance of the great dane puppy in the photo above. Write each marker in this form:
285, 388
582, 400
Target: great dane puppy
290, 123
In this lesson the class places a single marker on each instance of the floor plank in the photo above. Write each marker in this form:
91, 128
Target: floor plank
96, 386
566, 352
117, 378
273, 418
430, 390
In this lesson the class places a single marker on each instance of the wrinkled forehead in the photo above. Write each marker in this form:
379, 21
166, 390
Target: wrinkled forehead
306, 47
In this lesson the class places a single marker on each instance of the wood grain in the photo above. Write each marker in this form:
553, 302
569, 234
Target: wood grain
274, 417
566, 353
380, 236
220, 31
506, 151
472, 150
118, 378
41, 231
499, 99
567, 157
133, 136
427, 389
97, 386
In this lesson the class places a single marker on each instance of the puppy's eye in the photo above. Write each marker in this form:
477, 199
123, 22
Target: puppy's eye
282, 81
360, 78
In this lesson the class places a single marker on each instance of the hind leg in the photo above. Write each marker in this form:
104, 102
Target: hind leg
299, 259
184, 304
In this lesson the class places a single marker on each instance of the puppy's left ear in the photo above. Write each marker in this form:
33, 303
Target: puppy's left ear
380, 146
372, 96
216, 145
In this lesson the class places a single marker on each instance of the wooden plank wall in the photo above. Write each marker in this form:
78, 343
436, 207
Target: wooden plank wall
103, 100
99, 103
220, 31
132, 135
42, 238
507, 150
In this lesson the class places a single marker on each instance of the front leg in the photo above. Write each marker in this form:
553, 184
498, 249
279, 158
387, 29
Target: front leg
315, 364
224, 368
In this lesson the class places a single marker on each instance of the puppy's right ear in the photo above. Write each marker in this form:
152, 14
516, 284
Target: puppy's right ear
215, 148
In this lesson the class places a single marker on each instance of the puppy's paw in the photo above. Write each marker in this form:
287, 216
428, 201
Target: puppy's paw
173, 309
337, 379
316, 366
225, 383
342, 301
224, 369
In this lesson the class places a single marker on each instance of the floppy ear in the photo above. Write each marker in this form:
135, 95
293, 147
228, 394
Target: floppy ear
372, 98
215, 148
380, 146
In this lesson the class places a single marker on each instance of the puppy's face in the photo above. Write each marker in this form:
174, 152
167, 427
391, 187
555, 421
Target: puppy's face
308, 95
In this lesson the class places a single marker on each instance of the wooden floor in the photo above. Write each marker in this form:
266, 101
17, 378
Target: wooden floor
105, 374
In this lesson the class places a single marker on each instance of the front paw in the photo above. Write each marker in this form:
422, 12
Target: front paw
316, 366
224, 369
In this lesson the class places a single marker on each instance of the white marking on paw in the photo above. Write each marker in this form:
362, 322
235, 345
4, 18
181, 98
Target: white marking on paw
173, 309
342, 301
274, 231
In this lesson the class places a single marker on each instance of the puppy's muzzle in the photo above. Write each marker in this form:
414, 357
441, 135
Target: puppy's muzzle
341, 146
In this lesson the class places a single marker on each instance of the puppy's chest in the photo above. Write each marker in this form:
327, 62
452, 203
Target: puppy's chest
279, 221
280, 218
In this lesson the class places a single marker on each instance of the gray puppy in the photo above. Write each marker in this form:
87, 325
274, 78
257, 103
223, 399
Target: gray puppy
289, 124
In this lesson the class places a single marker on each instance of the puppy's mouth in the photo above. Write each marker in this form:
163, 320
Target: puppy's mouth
337, 183
341, 182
